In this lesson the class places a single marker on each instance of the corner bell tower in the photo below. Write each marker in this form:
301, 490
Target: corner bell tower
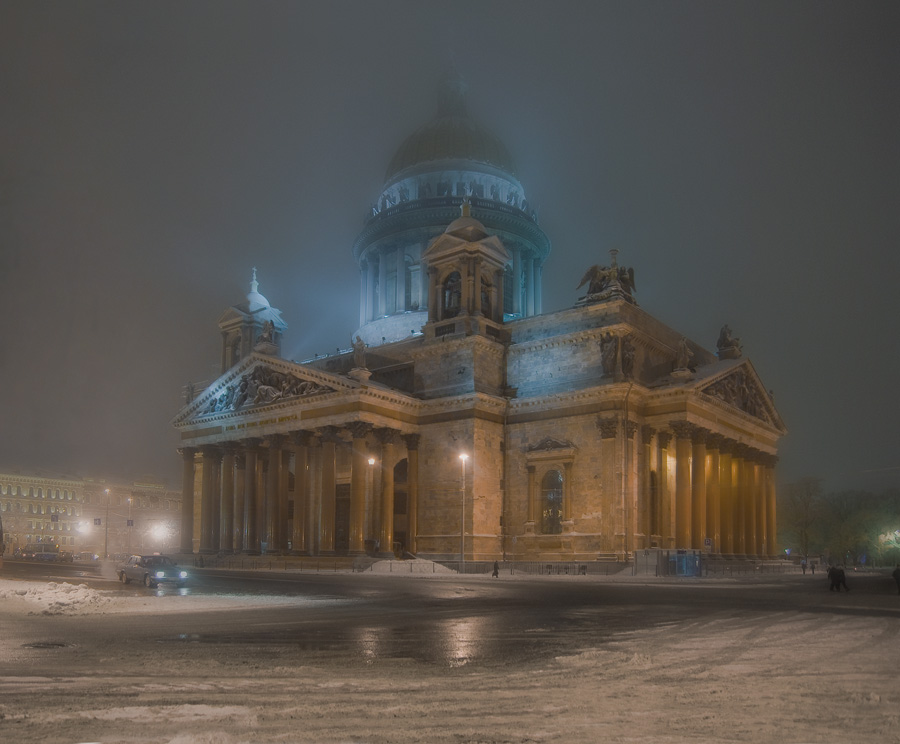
250, 326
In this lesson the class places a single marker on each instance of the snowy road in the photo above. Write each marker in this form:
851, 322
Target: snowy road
368, 658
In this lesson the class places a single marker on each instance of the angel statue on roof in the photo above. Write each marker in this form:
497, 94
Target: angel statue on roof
606, 278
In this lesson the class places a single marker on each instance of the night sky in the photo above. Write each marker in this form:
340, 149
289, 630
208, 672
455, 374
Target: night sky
742, 156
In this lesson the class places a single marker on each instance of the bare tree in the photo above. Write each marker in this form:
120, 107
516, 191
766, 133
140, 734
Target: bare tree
799, 514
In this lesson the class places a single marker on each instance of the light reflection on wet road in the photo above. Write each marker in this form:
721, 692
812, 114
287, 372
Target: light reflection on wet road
446, 621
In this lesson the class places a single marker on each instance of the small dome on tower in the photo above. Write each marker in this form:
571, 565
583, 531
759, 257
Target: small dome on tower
467, 227
255, 300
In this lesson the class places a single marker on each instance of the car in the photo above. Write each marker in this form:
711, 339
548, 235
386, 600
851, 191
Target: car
151, 571
41, 552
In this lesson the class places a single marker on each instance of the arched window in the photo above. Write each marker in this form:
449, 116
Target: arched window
451, 296
486, 289
508, 290
551, 502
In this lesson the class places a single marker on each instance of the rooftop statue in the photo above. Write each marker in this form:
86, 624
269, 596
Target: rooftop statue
605, 282
684, 355
359, 353
728, 346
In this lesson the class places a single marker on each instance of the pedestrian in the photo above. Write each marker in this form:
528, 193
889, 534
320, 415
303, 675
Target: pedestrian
812, 567
496, 574
803, 566
832, 578
896, 576
841, 579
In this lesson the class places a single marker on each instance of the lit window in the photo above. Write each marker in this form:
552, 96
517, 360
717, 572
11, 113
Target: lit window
551, 503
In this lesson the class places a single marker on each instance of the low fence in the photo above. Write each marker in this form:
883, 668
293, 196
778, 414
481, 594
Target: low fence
655, 562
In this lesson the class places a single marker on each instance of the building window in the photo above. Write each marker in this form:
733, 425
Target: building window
451, 296
551, 503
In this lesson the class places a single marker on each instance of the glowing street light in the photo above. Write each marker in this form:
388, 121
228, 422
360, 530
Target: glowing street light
462, 522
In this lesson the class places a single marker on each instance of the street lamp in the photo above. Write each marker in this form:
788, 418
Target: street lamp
462, 522
106, 538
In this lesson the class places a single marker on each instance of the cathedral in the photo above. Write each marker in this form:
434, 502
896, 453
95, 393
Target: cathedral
464, 422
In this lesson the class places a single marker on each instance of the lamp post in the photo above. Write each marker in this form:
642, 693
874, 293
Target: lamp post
106, 527
462, 522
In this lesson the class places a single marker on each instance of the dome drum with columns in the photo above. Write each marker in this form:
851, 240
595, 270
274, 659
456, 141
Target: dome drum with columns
589, 433
448, 161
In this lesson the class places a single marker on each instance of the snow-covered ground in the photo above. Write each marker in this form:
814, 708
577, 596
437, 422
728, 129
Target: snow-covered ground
729, 676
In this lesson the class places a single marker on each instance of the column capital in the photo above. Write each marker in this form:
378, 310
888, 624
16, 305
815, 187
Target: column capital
251, 443
770, 461
715, 441
387, 436
682, 429
727, 446
647, 434
700, 435
608, 427
331, 434
631, 428
743, 451
303, 438
213, 451
664, 437
358, 429
411, 441
276, 441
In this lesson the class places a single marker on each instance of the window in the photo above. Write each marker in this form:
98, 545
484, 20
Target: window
508, 290
451, 295
551, 502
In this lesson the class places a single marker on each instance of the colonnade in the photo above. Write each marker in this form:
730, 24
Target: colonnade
280, 493
696, 486
374, 286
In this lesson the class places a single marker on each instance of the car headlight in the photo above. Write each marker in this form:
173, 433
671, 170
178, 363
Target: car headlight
160, 574
182, 575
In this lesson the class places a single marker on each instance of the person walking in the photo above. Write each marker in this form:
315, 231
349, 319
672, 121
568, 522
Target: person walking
496, 574
896, 576
841, 579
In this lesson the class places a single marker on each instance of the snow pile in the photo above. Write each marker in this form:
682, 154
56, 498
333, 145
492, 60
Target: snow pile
417, 566
52, 598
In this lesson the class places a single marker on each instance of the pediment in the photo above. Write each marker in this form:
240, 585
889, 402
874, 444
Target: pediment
447, 247
549, 444
257, 382
741, 388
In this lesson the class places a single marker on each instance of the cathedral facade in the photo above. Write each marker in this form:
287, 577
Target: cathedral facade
465, 422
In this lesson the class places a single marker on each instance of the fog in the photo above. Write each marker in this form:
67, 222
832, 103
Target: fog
741, 156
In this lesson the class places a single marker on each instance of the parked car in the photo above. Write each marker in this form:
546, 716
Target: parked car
151, 571
41, 552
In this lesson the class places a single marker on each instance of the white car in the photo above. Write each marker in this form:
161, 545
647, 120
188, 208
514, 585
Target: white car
151, 571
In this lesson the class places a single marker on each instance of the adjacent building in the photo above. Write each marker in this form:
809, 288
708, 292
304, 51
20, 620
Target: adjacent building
85, 515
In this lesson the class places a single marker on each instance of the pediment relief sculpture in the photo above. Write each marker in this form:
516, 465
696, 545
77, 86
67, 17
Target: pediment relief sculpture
262, 386
548, 443
740, 389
